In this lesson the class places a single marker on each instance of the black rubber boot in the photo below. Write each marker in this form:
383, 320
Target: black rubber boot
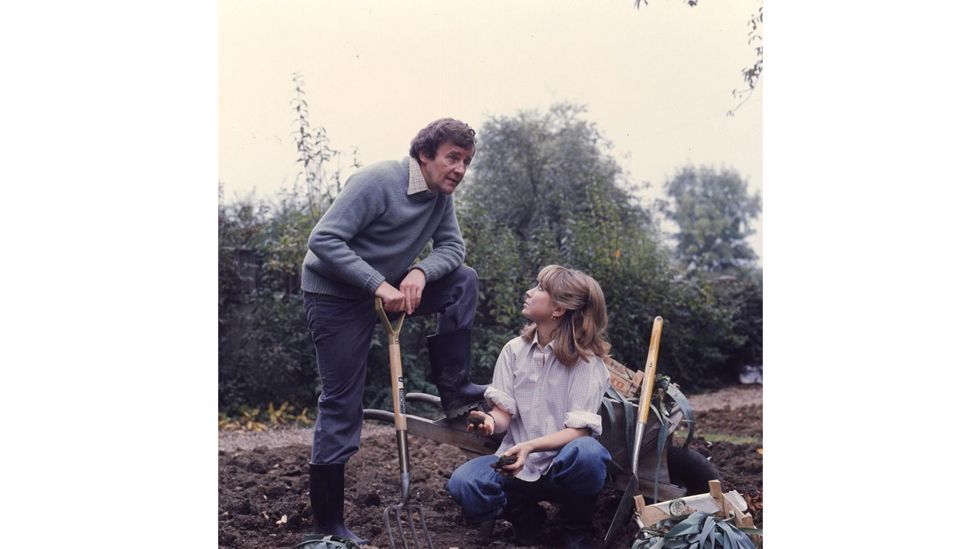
450, 360
577, 517
327, 489
528, 519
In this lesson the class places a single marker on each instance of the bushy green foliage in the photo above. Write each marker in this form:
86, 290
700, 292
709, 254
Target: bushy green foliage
545, 189
264, 350
741, 293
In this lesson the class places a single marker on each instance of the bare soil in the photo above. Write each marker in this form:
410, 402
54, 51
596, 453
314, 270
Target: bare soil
263, 484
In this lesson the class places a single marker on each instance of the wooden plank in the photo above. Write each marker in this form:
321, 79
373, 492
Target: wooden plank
637, 379
648, 514
715, 490
744, 521
625, 381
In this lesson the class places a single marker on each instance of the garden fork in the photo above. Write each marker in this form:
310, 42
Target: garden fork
403, 511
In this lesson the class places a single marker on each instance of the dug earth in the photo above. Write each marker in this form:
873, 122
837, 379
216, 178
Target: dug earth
263, 484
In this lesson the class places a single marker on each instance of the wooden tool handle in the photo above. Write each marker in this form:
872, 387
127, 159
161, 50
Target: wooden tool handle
391, 330
396, 365
396, 386
650, 368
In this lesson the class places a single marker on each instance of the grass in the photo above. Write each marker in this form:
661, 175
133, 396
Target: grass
723, 437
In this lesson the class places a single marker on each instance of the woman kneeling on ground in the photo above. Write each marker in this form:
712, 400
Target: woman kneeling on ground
545, 394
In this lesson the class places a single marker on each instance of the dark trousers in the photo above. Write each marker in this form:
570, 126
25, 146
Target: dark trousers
341, 331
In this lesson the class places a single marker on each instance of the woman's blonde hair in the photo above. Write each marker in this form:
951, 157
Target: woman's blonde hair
580, 331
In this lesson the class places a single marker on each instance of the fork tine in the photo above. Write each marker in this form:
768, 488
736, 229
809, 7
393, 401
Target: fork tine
392, 514
405, 514
389, 527
413, 529
423, 524
403, 535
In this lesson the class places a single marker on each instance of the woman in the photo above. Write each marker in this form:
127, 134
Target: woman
545, 395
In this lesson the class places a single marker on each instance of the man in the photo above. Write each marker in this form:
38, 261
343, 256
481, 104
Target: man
365, 246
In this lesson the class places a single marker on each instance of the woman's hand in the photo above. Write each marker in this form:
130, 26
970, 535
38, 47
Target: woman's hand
521, 452
481, 422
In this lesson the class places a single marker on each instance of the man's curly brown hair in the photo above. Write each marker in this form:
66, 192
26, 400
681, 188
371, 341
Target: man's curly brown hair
438, 132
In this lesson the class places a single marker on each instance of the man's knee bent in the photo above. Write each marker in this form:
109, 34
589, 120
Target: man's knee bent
468, 277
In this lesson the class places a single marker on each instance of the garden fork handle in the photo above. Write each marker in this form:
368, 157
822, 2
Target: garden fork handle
396, 365
399, 398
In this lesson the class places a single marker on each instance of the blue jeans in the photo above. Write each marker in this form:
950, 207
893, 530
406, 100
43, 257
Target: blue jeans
580, 468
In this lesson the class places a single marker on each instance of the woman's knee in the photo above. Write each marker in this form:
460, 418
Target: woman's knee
459, 483
589, 450
478, 489
470, 477
584, 464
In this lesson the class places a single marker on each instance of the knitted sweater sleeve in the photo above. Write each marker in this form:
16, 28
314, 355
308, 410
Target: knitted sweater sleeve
449, 251
354, 209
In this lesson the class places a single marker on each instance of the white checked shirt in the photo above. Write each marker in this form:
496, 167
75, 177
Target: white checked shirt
544, 396
416, 182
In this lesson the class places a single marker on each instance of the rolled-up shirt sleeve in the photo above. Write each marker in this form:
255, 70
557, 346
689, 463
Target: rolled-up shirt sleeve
502, 389
586, 390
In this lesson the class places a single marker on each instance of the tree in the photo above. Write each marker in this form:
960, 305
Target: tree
547, 175
545, 189
713, 211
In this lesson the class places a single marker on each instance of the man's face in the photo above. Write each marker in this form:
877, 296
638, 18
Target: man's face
445, 171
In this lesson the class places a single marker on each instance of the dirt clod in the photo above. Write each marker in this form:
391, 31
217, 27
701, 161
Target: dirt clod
502, 462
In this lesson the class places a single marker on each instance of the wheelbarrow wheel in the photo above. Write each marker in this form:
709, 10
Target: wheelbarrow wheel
690, 469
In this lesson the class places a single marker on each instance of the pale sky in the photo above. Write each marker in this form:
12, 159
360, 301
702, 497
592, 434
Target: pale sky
657, 81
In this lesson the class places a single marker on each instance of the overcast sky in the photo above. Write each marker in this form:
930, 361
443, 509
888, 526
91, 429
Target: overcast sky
657, 81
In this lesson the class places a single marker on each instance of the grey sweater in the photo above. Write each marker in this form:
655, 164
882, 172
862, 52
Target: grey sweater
374, 230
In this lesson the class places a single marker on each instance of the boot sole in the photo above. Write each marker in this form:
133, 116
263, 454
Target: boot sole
461, 410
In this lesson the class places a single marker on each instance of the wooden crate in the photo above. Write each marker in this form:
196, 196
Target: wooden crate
626, 382
715, 502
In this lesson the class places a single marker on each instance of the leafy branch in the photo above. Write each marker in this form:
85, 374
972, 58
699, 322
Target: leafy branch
750, 75
313, 146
